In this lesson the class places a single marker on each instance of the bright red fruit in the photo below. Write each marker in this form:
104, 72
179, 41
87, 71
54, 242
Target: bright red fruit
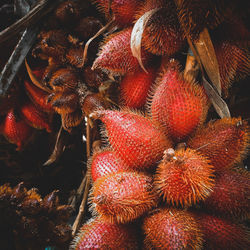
134, 138
135, 88
16, 130
116, 55
105, 162
184, 177
98, 234
224, 142
123, 197
180, 106
171, 229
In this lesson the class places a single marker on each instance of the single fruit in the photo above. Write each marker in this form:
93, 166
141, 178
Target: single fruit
171, 229
184, 177
123, 197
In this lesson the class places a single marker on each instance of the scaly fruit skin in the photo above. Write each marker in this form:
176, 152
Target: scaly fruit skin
98, 234
172, 229
38, 96
135, 88
134, 138
224, 142
223, 234
230, 196
233, 60
184, 177
162, 34
123, 197
180, 106
115, 54
16, 130
35, 117
105, 162
123, 10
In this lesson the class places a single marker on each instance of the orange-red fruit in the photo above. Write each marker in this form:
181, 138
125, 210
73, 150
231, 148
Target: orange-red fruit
223, 234
16, 130
135, 88
123, 10
38, 96
230, 196
123, 197
172, 229
184, 177
134, 138
180, 106
104, 163
97, 234
34, 116
116, 56
224, 142
162, 34
233, 60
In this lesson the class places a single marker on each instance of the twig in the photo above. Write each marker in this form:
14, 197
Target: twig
79, 217
42, 8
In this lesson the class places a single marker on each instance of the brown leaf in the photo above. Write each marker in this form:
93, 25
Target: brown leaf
136, 35
206, 52
217, 101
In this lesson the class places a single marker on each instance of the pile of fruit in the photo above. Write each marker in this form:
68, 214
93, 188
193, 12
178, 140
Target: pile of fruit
165, 175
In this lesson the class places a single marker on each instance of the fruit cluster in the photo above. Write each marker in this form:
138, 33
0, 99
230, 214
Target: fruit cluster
32, 221
166, 172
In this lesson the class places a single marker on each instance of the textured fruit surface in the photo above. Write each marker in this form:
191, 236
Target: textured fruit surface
135, 88
223, 234
224, 142
171, 229
115, 54
16, 130
38, 96
105, 162
34, 116
134, 138
233, 60
97, 234
123, 197
162, 34
180, 106
184, 177
230, 196
123, 10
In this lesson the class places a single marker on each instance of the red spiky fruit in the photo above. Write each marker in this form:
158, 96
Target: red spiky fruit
172, 229
162, 34
38, 97
224, 142
180, 106
123, 197
135, 88
98, 234
16, 130
222, 234
233, 60
116, 56
105, 162
134, 138
123, 10
230, 196
35, 117
184, 177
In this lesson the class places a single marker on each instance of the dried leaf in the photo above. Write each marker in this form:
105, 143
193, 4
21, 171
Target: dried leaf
34, 79
206, 52
136, 35
217, 101
61, 141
